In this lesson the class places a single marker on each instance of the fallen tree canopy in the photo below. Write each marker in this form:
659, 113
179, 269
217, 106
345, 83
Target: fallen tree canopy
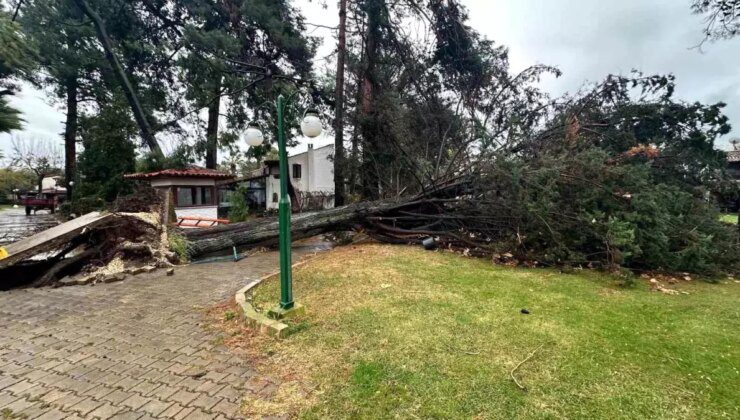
575, 208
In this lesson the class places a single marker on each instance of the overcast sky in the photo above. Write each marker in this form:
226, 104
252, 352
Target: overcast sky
586, 39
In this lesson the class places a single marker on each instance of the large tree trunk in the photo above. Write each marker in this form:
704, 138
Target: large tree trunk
70, 136
128, 90
265, 232
368, 120
339, 160
214, 110
383, 219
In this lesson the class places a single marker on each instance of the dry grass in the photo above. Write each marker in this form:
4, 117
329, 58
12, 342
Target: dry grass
397, 332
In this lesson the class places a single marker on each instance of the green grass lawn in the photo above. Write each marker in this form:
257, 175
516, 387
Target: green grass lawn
729, 218
398, 332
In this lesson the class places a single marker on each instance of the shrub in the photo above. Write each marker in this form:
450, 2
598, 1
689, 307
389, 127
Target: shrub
239, 210
178, 245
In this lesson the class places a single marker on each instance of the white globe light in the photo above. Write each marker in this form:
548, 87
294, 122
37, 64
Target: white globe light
253, 136
311, 125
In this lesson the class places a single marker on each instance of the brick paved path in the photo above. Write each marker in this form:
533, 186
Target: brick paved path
128, 350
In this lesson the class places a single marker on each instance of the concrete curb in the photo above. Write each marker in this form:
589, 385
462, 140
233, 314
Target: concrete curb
257, 320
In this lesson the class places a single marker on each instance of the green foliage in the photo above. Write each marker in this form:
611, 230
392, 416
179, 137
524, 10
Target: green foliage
16, 61
83, 205
11, 179
728, 218
182, 157
178, 245
239, 210
108, 154
229, 315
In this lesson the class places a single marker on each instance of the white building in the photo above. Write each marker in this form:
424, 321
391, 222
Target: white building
193, 190
312, 175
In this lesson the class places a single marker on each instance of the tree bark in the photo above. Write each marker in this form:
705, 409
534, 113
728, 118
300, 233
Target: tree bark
266, 231
214, 110
70, 136
146, 131
339, 160
382, 219
368, 122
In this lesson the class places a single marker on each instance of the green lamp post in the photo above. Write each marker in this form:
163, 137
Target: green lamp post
310, 127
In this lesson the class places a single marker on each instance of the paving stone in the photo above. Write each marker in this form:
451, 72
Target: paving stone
184, 413
163, 392
7, 398
54, 395
200, 415
126, 415
205, 402
144, 387
99, 391
215, 376
19, 388
19, 405
229, 394
56, 347
135, 401
36, 392
52, 414
68, 401
173, 410
210, 388
117, 396
183, 397
229, 409
86, 406
127, 383
156, 407
105, 411
33, 375
8, 381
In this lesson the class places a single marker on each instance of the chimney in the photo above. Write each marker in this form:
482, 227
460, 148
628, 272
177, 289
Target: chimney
310, 146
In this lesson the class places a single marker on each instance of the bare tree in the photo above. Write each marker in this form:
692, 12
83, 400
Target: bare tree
41, 157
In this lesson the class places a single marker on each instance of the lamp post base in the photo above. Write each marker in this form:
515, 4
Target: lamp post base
281, 313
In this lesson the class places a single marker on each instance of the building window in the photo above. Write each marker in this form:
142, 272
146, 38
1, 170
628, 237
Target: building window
274, 197
296, 171
194, 196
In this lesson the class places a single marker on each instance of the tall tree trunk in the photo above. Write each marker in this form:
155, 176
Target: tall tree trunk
146, 130
70, 136
339, 160
367, 121
354, 161
214, 110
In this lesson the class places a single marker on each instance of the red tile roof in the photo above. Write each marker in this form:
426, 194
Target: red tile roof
733, 156
181, 173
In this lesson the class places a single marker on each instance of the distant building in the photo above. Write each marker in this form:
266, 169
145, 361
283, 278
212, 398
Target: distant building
311, 174
733, 164
194, 190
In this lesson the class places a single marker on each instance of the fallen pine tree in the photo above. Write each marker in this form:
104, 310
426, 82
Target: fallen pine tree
575, 208
383, 220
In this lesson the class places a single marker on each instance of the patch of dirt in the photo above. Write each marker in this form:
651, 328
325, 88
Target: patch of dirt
293, 394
